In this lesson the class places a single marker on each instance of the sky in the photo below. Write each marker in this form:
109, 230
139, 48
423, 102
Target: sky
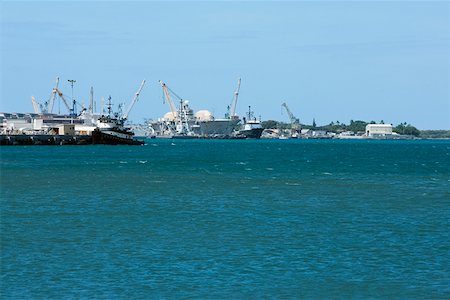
328, 60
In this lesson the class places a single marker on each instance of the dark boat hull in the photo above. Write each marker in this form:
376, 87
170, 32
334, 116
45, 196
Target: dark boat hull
254, 133
100, 137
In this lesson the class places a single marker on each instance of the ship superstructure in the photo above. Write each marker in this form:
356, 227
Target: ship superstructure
110, 127
251, 129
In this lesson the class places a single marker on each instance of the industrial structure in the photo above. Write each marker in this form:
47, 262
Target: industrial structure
378, 130
295, 122
95, 127
182, 122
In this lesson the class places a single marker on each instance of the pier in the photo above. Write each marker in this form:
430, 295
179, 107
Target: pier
44, 139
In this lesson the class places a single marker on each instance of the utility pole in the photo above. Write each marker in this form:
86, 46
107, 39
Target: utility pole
72, 81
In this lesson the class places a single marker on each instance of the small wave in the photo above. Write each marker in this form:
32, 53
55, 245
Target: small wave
142, 161
269, 169
206, 171
123, 162
291, 183
241, 163
248, 169
326, 173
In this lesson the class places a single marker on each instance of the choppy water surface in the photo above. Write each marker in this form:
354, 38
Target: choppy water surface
227, 219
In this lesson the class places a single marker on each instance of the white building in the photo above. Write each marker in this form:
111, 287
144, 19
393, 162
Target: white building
66, 129
375, 130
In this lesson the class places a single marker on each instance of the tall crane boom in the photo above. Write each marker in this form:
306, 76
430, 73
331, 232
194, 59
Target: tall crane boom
61, 95
295, 123
172, 107
234, 102
135, 99
51, 101
35, 105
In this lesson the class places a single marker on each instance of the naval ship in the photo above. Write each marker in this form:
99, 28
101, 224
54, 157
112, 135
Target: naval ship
182, 122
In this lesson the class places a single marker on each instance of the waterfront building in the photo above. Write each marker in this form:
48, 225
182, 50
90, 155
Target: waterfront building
378, 130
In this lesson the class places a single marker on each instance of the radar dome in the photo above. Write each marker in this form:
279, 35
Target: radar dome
171, 116
204, 115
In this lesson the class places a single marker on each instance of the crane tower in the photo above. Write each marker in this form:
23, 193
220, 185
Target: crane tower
295, 122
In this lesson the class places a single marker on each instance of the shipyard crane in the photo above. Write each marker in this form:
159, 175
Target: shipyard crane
232, 113
135, 99
295, 122
51, 100
35, 105
167, 91
61, 95
47, 107
180, 118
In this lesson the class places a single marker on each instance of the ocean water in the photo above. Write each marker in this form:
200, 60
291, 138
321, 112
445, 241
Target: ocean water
231, 219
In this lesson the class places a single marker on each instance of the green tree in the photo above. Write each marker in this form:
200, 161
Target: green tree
406, 129
269, 124
357, 126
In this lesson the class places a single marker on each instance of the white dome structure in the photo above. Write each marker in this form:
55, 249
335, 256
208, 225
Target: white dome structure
204, 115
170, 116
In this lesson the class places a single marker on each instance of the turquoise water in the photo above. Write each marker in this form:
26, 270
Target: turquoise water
227, 219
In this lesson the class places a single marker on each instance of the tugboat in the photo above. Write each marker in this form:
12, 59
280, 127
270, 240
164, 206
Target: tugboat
252, 128
111, 130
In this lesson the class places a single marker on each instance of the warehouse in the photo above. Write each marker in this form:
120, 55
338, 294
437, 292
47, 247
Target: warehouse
375, 130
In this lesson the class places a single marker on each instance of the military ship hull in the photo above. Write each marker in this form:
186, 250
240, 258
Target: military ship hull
217, 127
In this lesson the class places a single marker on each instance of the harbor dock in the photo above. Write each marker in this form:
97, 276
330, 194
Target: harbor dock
44, 139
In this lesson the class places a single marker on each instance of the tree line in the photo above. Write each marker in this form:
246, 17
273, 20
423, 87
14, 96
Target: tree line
338, 127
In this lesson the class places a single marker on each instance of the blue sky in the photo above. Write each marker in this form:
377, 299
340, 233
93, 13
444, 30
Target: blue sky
331, 60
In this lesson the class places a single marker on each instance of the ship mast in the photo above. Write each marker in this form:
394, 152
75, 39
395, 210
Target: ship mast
91, 102
109, 105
